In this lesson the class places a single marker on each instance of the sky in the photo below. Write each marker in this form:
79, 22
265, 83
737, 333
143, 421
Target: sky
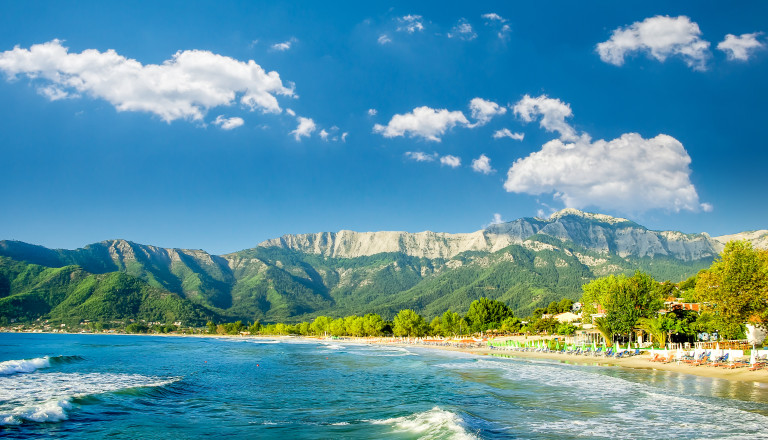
217, 125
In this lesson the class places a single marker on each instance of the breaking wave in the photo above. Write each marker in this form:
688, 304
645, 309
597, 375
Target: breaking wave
31, 365
433, 424
47, 397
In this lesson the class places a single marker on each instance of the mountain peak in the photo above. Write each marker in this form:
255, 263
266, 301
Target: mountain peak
587, 215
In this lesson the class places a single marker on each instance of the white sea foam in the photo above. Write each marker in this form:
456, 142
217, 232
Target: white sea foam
46, 397
433, 424
263, 341
334, 346
596, 405
24, 365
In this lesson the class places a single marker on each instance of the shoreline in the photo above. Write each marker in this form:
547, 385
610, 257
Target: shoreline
640, 362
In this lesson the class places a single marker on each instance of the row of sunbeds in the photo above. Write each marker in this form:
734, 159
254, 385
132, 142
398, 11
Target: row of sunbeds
609, 352
705, 358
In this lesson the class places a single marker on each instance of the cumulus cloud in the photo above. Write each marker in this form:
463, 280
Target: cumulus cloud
659, 36
424, 122
506, 133
483, 111
741, 47
482, 165
451, 161
410, 24
420, 156
324, 135
228, 123
463, 31
628, 174
497, 220
552, 111
183, 87
384, 39
372, 112
305, 128
285, 45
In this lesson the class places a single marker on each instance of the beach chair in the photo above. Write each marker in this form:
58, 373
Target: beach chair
656, 356
703, 360
720, 361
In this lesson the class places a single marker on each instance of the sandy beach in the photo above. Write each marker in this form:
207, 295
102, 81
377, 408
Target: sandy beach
640, 362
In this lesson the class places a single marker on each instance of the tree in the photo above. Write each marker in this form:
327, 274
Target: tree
409, 323
487, 313
321, 325
624, 299
373, 324
511, 324
254, 328
211, 327
337, 327
565, 305
451, 323
735, 288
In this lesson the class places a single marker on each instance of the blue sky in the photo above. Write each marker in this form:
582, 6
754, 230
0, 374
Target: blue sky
222, 124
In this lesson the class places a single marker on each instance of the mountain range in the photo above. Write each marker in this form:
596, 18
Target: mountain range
526, 263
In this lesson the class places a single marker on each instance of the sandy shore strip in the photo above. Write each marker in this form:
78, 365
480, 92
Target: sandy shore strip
640, 362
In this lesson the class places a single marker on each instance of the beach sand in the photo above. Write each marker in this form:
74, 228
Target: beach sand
641, 362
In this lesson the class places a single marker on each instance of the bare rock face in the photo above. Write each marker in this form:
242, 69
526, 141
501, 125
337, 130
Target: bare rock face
597, 232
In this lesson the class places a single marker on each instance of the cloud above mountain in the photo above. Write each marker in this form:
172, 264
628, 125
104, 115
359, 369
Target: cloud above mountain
185, 86
628, 174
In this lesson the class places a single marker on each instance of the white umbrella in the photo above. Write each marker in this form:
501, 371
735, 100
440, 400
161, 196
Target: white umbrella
753, 357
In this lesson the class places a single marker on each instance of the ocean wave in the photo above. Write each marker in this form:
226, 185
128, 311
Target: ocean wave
47, 397
597, 405
433, 424
31, 365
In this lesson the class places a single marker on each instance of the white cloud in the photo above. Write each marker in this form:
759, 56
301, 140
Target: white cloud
344, 136
492, 16
740, 48
424, 122
290, 112
497, 220
285, 45
482, 165
324, 135
372, 112
505, 133
410, 23
661, 37
451, 161
420, 156
628, 174
505, 29
482, 111
228, 123
54, 93
184, 87
552, 111
495, 20
305, 128
462, 30
384, 39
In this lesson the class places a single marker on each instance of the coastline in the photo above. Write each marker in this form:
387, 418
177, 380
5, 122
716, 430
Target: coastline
640, 362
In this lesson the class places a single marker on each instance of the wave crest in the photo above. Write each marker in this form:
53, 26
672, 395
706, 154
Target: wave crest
433, 424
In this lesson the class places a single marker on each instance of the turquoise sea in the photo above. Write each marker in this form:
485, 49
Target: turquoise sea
144, 387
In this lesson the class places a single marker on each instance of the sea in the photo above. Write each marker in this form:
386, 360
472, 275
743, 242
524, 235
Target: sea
152, 387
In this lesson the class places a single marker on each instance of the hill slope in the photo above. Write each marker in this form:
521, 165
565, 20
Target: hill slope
526, 263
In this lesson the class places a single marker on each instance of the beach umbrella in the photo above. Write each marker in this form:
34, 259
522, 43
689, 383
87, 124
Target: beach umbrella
753, 356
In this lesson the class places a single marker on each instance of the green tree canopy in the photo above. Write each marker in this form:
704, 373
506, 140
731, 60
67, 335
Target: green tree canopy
487, 313
409, 323
734, 289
